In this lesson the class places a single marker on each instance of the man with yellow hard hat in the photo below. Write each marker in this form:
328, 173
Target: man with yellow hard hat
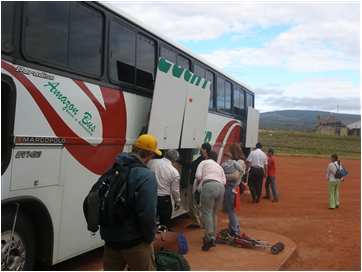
130, 242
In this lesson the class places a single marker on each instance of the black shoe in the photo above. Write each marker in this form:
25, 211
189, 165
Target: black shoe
266, 197
207, 245
337, 206
235, 235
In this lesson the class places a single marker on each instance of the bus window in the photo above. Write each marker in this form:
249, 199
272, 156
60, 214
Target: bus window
183, 62
227, 96
145, 63
198, 70
64, 34
168, 54
46, 32
238, 105
85, 39
7, 26
122, 50
220, 100
210, 76
249, 100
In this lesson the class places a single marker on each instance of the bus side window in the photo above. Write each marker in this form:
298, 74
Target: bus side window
46, 32
183, 62
198, 70
66, 35
7, 26
249, 100
85, 39
227, 96
145, 62
238, 106
220, 100
210, 77
122, 53
168, 54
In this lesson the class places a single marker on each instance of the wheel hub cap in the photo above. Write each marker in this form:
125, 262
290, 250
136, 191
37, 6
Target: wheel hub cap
12, 252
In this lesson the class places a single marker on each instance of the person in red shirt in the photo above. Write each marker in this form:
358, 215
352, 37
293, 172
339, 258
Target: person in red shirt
270, 180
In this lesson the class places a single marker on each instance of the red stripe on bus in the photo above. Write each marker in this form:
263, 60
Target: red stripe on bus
96, 158
234, 136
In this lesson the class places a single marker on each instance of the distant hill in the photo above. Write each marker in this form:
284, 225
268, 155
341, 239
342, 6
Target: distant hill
300, 120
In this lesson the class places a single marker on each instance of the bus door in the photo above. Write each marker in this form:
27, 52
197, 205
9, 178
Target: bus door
179, 107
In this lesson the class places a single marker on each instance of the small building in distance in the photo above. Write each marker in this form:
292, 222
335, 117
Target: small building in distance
354, 129
331, 126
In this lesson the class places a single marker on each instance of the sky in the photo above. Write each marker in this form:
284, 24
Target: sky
293, 55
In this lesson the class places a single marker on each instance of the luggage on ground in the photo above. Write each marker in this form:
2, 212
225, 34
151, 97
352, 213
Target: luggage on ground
171, 261
170, 241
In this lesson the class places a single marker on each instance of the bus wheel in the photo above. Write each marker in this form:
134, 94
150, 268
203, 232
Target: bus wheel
17, 250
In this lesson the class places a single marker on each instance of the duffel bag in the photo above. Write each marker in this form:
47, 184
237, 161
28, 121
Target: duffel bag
171, 261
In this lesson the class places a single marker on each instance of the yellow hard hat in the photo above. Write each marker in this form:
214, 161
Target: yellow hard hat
148, 142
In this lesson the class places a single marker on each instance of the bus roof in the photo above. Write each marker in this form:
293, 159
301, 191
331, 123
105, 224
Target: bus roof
115, 9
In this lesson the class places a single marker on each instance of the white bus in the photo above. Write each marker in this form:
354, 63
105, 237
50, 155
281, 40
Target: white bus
79, 82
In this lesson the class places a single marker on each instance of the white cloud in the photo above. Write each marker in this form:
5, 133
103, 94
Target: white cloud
345, 105
311, 94
303, 48
317, 37
322, 88
321, 36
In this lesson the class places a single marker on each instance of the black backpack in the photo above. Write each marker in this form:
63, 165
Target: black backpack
171, 261
107, 202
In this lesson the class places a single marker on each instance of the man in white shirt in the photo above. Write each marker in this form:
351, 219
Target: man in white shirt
168, 180
257, 163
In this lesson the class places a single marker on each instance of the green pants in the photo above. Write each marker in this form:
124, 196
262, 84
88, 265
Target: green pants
333, 190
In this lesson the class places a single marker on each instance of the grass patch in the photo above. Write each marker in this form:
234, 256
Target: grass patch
308, 143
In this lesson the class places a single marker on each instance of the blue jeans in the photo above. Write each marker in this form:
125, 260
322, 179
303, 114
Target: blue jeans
229, 198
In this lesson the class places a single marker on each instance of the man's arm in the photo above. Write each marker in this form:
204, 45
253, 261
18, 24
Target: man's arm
198, 174
175, 188
248, 161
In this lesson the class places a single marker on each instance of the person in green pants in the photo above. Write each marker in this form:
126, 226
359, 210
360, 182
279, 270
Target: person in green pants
333, 182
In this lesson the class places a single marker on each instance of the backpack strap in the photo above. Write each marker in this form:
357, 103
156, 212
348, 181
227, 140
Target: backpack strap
125, 177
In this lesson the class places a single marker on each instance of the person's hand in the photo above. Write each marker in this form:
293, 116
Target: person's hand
177, 206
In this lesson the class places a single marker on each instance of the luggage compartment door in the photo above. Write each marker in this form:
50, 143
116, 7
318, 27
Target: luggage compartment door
195, 118
179, 107
252, 127
168, 105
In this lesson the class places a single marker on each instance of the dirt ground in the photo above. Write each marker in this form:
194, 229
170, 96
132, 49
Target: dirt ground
326, 239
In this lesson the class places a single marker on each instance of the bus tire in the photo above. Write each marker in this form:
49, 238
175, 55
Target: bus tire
21, 252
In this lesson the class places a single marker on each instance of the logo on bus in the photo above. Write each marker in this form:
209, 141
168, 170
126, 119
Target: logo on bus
97, 158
